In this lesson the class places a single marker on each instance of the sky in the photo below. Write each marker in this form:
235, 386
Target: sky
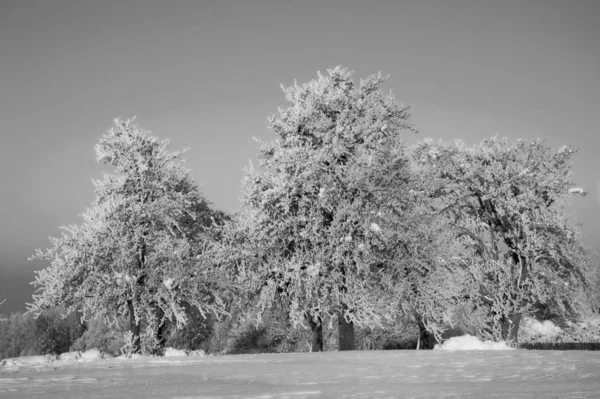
207, 74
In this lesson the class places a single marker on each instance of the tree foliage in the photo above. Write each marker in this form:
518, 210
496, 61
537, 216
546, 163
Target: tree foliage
322, 223
340, 221
142, 248
505, 205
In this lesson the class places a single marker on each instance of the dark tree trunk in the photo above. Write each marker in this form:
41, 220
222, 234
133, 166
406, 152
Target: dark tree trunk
510, 328
161, 335
161, 331
134, 327
345, 334
426, 339
316, 327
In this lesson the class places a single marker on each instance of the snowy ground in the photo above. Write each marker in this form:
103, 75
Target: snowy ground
358, 374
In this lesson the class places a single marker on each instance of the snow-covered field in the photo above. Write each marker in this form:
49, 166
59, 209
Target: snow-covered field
357, 374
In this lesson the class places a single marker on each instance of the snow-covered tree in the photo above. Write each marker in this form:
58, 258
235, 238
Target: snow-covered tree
432, 287
323, 219
142, 249
505, 205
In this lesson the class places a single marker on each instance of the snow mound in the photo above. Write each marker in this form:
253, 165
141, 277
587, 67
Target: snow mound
87, 356
69, 356
544, 328
534, 331
92, 354
132, 356
469, 342
170, 352
592, 321
29, 360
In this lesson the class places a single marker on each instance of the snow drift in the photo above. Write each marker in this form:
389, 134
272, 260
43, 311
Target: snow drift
544, 328
469, 342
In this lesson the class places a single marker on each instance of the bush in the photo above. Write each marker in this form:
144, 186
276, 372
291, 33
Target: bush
107, 337
240, 333
194, 335
55, 333
559, 331
51, 333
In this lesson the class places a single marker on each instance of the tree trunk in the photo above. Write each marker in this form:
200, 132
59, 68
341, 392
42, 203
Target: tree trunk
427, 340
316, 327
134, 327
345, 333
510, 328
161, 330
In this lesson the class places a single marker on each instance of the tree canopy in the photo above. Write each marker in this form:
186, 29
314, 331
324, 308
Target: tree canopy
339, 221
142, 248
328, 203
505, 206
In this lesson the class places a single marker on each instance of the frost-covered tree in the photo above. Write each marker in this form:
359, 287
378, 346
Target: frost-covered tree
594, 298
142, 249
432, 289
505, 205
323, 218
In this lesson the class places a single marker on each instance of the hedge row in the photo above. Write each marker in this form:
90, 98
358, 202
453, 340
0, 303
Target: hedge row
562, 346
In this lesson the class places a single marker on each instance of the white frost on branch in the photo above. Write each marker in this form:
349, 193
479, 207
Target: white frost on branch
313, 270
565, 148
120, 277
434, 153
168, 283
577, 190
375, 228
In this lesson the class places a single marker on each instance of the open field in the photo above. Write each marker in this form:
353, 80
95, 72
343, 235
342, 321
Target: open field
357, 374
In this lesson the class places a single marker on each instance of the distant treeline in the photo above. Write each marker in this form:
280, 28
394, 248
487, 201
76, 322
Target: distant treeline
24, 335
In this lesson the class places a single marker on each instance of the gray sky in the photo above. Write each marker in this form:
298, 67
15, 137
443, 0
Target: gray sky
206, 75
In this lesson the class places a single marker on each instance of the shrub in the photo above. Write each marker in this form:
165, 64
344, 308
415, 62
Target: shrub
107, 337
